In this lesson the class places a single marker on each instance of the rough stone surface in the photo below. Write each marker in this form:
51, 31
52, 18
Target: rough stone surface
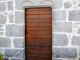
74, 15
1, 29
1, 33
14, 53
2, 19
17, 59
18, 3
79, 54
59, 15
67, 5
60, 40
62, 26
2, 51
5, 42
79, 5
65, 26
78, 31
70, 59
76, 40
10, 5
15, 30
64, 52
2, 6
18, 43
11, 16
57, 4
78, 0
1, 26
57, 59
19, 17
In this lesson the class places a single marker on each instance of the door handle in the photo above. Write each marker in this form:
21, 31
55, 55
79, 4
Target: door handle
26, 32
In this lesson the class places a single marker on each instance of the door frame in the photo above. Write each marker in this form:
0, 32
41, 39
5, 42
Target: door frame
25, 19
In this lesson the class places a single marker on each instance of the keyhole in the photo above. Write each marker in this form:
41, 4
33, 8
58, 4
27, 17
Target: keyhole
26, 32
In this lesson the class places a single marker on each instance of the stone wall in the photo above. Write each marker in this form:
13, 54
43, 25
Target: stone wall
66, 28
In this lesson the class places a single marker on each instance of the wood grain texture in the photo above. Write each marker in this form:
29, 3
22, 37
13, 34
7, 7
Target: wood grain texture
38, 33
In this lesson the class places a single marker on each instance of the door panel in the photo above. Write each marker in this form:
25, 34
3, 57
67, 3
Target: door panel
38, 33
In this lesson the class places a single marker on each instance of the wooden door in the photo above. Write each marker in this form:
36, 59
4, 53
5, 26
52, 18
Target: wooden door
38, 33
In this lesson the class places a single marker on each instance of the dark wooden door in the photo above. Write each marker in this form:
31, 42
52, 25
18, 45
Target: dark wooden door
38, 33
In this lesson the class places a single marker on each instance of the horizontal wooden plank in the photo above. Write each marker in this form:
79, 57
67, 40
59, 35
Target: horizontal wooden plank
38, 20
38, 45
39, 51
37, 57
38, 35
39, 54
48, 43
38, 13
39, 41
39, 32
39, 24
38, 28
27, 38
39, 16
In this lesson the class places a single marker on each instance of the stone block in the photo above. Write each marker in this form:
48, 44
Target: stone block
59, 15
56, 59
78, 32
74, 15
1, 33
1, 26
67, 5
3, 19
15, 30
2, 6
70, 59
76, 40
10, 5
18, 4
19, 17
1, 29
78, 0
64, 52
60, 40
5, 42
79, 53
18, 43
17, 59
47, 2
2, 51
11, 18
79, 5
14, 53
62, 27
57, 4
